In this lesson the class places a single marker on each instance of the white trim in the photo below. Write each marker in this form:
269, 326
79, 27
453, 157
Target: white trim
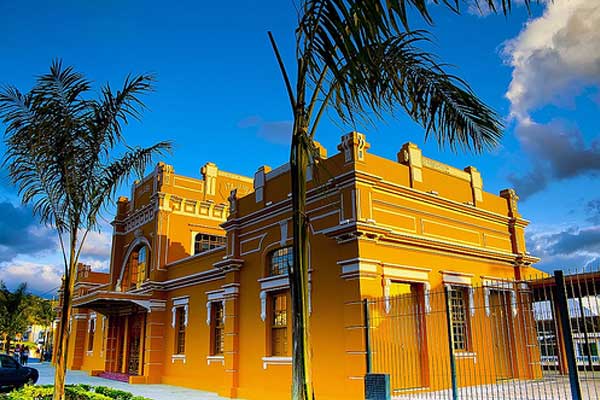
263, 305
178, 357
215, 359
275, 282
180, 302
276, 361
131, 246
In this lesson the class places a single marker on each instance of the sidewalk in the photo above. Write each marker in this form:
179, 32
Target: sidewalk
155, 392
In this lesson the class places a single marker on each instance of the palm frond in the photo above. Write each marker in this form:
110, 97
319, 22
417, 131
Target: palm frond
396, 73
108, 180
373, 66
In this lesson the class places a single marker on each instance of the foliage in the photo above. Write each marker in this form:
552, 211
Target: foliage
361, 59
14, 308
114, 393
60, 146
72, 392
42, 311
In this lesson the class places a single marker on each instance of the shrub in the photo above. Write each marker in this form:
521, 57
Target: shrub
115, 394
72, 392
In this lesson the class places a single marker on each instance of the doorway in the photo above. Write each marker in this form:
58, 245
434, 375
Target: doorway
501, 319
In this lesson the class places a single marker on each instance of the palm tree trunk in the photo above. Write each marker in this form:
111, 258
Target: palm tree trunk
302, 388
62, 342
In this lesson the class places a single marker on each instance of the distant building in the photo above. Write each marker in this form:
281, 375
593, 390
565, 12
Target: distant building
197, 294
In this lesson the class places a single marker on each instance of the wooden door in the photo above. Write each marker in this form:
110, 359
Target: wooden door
502, 341
397, 339
135, 351
113, 343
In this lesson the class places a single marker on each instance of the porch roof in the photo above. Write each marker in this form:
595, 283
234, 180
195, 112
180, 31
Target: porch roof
114, 303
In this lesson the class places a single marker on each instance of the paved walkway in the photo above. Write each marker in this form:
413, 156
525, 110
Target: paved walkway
155, 392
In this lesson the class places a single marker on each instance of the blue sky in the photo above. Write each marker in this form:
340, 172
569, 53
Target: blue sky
220, 98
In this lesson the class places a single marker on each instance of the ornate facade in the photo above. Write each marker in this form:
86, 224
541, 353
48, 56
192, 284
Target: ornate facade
197, 292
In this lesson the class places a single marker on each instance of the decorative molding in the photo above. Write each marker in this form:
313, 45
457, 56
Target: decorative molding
139, 240
220, 295
92, 322
275, 283
359, 268
215, 359
406, 272
139, 217
178, 357
263, 305
276, 361
499, 285
180, 302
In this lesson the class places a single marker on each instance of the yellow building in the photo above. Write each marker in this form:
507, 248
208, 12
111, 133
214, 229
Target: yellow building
197, 293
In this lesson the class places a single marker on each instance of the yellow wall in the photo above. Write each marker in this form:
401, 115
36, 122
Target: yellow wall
372, 221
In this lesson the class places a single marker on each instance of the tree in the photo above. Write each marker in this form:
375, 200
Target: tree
13, 312
361, 58
60, 147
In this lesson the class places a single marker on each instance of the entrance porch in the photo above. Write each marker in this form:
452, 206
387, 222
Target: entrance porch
132, 335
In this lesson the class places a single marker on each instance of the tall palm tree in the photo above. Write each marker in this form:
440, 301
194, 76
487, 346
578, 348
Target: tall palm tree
13, 312
60, 146
360, 58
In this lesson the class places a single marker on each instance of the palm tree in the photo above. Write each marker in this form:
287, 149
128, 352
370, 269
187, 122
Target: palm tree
60, 147
360, 58
13, 312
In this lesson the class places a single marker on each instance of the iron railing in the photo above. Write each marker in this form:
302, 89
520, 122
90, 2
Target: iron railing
532, 339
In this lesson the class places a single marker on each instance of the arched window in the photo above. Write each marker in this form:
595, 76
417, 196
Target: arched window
137, 268
280, 261
142, 259
204, 242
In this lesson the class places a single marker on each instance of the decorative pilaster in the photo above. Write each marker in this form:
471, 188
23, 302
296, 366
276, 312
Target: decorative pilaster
476, 184
260, 180
231, 355
354, 146
411, 155
209, 171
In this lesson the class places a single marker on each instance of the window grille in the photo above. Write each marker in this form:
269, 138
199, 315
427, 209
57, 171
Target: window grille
204, 242
180, 338
460, 326
281, 261
218, 344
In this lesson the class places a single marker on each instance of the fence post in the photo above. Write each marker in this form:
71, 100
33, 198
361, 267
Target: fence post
563, 307
451, 342
367, 335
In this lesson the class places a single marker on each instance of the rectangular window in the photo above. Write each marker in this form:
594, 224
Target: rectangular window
460, 322
279, 324
91, 335
204, 242
217, 329
180, 331
585, 350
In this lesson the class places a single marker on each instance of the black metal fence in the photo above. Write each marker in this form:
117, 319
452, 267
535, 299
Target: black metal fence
532, 339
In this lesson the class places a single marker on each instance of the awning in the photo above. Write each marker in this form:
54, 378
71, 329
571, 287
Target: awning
114, 303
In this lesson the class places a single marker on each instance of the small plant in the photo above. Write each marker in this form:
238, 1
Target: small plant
72, 392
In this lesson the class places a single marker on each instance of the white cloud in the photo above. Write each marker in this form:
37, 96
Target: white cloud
565, 247
41, 279
97, 245
555, 56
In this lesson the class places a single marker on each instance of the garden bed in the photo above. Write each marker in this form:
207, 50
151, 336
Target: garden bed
72, 392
